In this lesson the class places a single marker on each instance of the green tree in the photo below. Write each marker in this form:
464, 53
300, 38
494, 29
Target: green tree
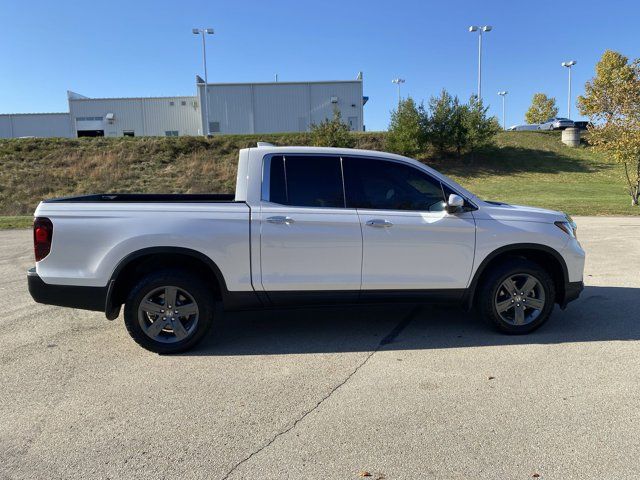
480, 128
332, 133
440, 123
542, 109
612, 102
406, 134
459, 128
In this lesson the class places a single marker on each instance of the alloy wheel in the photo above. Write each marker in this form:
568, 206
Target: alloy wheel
168, 314
520, 299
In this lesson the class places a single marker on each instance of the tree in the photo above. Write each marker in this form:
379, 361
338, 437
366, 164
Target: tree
439, 125
406, 134
480, 128
332, 133
542, 109
612, 103
459, 127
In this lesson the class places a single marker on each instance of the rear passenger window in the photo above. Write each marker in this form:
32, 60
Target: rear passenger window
306, 181
386, 185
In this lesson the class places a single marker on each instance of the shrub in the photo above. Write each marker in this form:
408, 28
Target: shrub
332, 133
406, 134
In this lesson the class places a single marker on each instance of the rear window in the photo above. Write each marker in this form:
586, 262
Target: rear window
306, 181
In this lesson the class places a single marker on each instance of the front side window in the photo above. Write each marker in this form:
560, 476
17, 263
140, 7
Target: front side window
385, 185
306, 181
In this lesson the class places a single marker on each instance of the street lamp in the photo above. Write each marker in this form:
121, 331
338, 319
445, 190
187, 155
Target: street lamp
398, 82
503, 94
203, 32
480, 30
569, 64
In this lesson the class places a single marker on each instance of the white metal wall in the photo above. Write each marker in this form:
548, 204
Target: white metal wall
281, 106
15, 125
143, 116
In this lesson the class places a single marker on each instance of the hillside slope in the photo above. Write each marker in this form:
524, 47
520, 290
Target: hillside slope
522, 167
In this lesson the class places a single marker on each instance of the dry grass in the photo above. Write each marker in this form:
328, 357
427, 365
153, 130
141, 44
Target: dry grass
525, 167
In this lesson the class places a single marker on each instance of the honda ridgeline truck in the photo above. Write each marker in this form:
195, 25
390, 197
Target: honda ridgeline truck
306, 226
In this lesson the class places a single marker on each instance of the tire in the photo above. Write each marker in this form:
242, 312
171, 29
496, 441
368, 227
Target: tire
178, 332
500, 305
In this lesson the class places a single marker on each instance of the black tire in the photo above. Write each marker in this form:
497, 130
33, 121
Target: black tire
197, 325
488, 294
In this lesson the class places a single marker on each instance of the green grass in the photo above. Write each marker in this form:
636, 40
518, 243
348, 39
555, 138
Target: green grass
535, 168
15, 222
532, 168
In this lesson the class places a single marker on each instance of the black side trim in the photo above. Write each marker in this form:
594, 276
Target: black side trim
86, 298
516, 246
332, 297
230, 300
445, 295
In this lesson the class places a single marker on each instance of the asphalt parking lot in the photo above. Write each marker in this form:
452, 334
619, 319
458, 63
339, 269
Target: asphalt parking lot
394, 392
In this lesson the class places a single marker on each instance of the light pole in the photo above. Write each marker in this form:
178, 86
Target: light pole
503, 94
202, 32
484, 28
569, 64
398, 82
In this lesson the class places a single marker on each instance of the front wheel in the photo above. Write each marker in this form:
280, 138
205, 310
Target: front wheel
169, 311
517, 296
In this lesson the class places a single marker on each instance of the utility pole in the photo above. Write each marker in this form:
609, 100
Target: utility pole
480, 30
203, 32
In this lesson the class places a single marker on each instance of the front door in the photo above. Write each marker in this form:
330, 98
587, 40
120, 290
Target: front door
409, 241
309, 241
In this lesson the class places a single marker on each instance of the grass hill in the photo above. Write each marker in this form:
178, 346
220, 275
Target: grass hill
532, 168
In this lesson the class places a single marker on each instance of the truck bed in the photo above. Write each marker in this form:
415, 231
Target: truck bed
148, 197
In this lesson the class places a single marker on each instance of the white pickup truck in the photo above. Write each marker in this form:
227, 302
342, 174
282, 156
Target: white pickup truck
306, 226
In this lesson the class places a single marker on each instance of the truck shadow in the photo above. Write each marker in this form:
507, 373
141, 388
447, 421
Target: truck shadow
601, 314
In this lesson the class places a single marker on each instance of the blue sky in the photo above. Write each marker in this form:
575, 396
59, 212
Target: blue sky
146, 48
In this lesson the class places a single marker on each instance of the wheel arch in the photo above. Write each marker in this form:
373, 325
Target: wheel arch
137, 263
548, 258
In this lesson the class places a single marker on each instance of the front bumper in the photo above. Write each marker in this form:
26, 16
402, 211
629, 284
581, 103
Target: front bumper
572, 291
73, 296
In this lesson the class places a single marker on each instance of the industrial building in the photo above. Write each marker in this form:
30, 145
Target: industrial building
16, 125
231, 108
279, 106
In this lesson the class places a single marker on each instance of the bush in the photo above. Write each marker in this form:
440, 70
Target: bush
332, 133
480, 129
406, 134
440, 123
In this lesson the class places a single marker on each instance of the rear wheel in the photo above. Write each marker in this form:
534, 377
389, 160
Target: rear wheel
169, 311
517, 296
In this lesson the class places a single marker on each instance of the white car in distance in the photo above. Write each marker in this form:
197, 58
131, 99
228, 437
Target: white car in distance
557, 123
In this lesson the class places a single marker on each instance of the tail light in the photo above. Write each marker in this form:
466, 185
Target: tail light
42, 235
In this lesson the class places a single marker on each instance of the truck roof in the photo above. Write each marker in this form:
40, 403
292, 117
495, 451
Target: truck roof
327, 150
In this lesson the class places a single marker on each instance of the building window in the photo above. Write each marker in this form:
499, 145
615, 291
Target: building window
88, 119
214, 127
171, 133
183, 103
128, 133
172, 103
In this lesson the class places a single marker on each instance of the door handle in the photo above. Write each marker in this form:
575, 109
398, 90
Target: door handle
379, 222
280, 220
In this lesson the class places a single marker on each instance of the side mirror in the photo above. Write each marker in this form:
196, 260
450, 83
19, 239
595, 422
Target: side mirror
454, 204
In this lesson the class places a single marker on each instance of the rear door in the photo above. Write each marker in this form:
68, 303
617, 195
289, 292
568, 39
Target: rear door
409, 241
309, 240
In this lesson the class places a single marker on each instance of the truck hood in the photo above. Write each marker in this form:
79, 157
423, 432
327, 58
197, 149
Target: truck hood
521, 213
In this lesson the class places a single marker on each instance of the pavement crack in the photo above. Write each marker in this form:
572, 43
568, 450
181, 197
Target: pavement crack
389, 338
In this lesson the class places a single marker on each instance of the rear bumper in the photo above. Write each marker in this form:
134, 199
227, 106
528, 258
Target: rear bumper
73, 296
572, 291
